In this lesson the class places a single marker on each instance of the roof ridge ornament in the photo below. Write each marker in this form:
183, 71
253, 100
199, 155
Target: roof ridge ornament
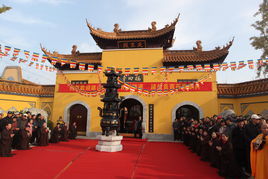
153, 23
116, 28
74, 50
229, 44
198, 46
48, 53
176, 20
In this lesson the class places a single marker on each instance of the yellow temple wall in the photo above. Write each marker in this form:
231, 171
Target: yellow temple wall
244, 105
63, 100
131, 58
163, 105
19, 102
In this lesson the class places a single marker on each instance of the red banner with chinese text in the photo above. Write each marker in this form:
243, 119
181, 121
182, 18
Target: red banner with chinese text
92, 87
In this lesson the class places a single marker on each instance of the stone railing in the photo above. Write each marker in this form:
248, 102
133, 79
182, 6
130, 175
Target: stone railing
9, 87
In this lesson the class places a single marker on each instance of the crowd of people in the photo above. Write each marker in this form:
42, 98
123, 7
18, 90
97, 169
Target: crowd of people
226, 143
22, 130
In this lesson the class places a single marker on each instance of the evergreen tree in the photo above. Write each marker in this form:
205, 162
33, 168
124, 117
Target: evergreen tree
261, 42
4, 9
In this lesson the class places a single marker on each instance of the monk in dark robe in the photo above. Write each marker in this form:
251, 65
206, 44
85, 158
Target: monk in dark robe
198, 141
64, 133
214, 153
55, 135
193, 140
205, 146
73, 131
15, 130
5, 141
239, 143
43, 140
228, 166
24, 138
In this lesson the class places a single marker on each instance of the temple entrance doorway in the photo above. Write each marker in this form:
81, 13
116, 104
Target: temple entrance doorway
187, 111
130, 110
78, 114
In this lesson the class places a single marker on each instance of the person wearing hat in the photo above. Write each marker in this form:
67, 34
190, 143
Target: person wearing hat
24, 138
23, 121
259, 154
252, 129
5, 141
7, 119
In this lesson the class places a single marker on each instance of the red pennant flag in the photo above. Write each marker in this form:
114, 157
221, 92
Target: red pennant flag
44, 58
250, 64
13, 58
127, 71
216, 67
181, 68
16, 52
199, 67
35, 56
7, 49
63, 61
54, 60
153, 70
190, 67
21, 60
241, 64
27, 54
90, 68
224, 66
81, 66
145, 70
30, 64
73, 64
207, 67
233, 66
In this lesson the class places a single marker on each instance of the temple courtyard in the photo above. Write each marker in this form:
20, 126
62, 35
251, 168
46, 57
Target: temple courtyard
79, 159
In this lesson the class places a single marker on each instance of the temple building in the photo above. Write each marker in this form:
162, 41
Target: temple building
18, 94
186, 92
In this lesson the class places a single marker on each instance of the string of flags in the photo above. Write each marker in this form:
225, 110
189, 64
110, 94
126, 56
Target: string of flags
37, 60
26, 58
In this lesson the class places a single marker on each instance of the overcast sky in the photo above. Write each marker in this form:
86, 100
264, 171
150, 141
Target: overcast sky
58, 24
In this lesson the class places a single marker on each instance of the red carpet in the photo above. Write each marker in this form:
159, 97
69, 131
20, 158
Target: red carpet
78, 159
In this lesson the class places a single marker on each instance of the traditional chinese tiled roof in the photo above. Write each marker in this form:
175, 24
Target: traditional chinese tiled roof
153, 37
26, 89
94, 58
245, 89
190, 57
87, 58
134, 34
